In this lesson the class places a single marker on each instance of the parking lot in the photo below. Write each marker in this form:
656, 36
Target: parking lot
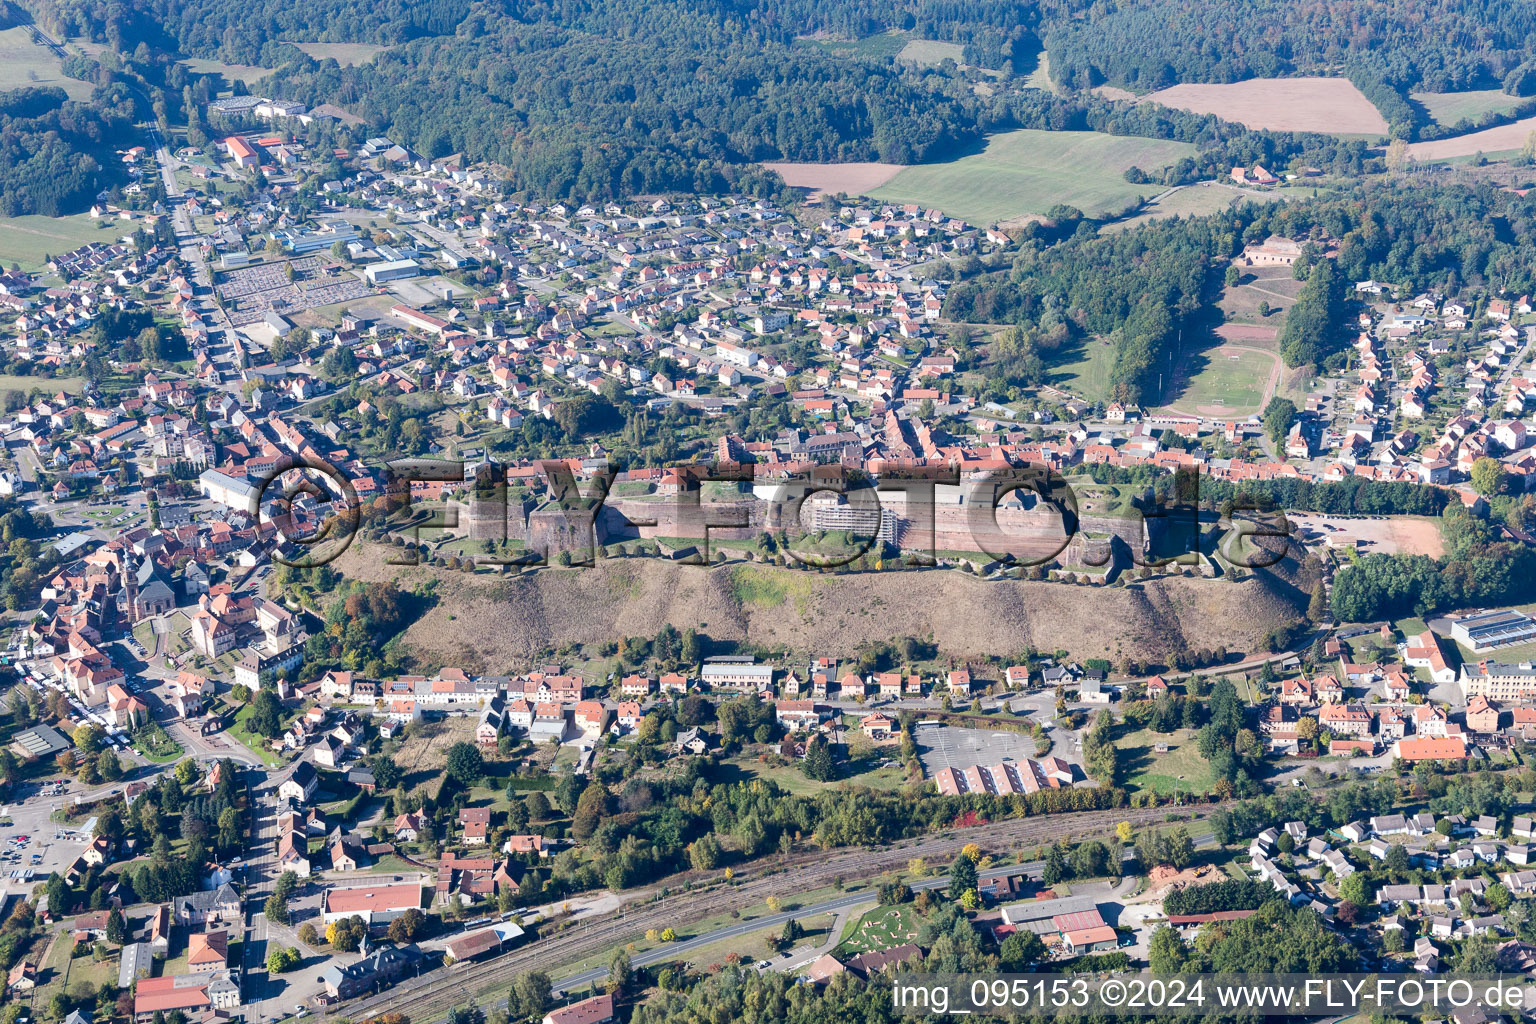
31, 841
948, 746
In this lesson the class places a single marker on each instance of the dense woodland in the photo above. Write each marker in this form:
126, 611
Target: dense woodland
610, 97
1438, 45
54, 152
595, 98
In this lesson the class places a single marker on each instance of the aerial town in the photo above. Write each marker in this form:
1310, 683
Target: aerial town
1273, 664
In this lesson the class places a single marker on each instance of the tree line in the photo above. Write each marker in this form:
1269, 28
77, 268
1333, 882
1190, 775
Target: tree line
1434, 45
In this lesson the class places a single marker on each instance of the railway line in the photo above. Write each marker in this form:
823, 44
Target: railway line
430, 994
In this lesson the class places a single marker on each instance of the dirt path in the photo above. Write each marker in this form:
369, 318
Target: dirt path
1247, 332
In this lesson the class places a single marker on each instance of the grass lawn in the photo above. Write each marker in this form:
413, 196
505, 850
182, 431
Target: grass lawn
240, 730
889, 776
246, 73
1029, 171
485, 796
53, 971
345, 54
12, 382
156, 744
1180, 769
28, 240
60, 972
931, 51
754, 945
1451, 107
1226, 378
177, 965
880, 928
1193, 201
791, 779
25, 63
695, 928
1087, 375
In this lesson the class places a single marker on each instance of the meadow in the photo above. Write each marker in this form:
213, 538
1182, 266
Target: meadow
1453, 107
345, 54
28, 240
1026, 172
247, 73
1084, 372
1180, 769
1040, 77
884, 44
1199, 200
931, 51
24, 63
52, 385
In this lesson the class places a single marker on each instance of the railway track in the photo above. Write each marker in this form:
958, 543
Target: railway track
434, 993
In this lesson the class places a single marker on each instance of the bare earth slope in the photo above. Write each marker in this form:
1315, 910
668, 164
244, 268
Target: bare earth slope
486, 623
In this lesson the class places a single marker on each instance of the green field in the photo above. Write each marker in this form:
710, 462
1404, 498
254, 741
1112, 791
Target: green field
1040, 77
1181, 769
1087, 374
1451, 107
931, 51
246, 73
345, 54
880, 928
24, 63
885, 44
1231, 381
52, 385
1029, 171
755, 944
27, 240
769, 588
1193, 201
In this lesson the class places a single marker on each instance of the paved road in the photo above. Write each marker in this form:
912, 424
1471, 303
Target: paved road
167, 168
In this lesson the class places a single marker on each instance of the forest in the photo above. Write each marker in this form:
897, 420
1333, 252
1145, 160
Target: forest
610, 97
55, 153
591, 99
1382, 586
1434, 45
